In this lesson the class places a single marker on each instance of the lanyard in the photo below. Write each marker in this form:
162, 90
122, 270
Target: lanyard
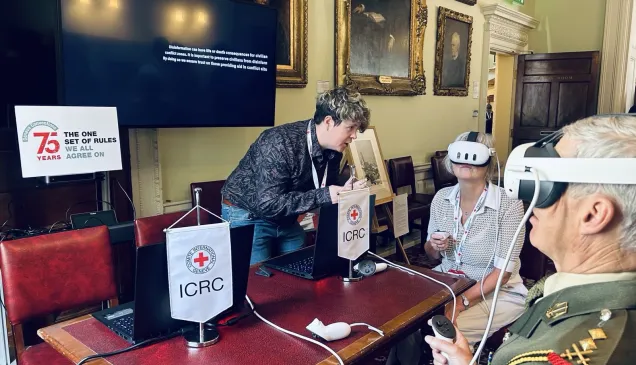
313, 167
469, 222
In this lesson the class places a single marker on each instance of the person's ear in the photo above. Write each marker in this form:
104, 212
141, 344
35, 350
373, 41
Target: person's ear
598, 214
328, 122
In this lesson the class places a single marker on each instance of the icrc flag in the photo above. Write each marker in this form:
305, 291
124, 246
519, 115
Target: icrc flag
199, 271
353, 223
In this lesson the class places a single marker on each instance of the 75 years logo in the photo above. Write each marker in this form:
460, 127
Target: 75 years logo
49, 146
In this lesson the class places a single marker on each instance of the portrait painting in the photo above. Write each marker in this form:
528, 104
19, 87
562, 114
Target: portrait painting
365, 155
291, 41
452, 58
379, 46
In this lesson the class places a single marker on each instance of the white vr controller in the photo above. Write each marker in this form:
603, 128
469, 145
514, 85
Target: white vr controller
471, 153
368, 267
335, 331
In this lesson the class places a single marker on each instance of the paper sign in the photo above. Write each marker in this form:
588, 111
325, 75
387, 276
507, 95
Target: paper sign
64, 140
353, 223
400, 215
322, 86
199, 271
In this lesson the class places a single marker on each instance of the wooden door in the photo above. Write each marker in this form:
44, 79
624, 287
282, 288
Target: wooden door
553, 90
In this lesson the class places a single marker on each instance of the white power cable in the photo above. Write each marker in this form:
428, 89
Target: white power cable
295, 334
496, 245
535, 197
370, 327
410, 271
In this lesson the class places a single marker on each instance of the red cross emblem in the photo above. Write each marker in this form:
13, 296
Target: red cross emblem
354, 214
201, 259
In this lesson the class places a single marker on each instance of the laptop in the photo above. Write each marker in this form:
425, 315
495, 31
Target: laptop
148, 316
93, 219
320, 260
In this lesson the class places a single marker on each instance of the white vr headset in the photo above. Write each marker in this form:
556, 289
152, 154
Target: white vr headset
470, 152
555, 172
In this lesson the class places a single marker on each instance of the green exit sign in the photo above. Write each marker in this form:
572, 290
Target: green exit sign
518, 1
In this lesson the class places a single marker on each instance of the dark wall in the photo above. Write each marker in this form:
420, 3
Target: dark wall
28, 70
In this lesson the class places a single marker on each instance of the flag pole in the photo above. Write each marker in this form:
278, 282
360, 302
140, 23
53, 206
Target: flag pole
207, 333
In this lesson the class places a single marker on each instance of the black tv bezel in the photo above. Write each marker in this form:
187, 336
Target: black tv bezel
59, 65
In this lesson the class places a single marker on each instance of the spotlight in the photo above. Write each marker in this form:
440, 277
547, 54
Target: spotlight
113, 4
202, 17
179, 16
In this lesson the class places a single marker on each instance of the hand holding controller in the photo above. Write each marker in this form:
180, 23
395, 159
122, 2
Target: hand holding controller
443, 329
440, 240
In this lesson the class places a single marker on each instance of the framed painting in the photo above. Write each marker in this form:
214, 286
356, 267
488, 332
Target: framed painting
291, 41
379, 46
452, 57
365, 155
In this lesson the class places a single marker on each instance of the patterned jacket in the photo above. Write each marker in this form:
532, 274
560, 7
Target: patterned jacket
274, 180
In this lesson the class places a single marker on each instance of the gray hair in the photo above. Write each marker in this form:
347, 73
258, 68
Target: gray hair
483, 138
608, 137
342, 104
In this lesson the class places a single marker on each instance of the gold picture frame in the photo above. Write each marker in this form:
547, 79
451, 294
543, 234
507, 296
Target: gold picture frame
365, 154
291, 42
364, 72
452, 57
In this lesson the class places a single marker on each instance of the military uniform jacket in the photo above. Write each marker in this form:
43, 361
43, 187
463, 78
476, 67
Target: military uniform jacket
568, 324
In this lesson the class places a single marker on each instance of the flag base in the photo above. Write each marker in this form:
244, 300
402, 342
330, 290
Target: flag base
353, 278
354, 275
202, 336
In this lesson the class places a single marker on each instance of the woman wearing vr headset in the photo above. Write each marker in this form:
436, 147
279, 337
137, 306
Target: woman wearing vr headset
471, 227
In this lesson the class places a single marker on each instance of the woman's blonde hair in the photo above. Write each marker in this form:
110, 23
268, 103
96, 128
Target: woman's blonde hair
483, 138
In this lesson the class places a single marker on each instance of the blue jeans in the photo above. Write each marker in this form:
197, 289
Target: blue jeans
270, 240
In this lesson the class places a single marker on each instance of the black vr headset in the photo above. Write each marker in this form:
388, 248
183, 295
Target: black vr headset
556, 172
470, 152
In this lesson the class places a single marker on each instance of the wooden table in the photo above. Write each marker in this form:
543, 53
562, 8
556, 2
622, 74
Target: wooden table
396, 302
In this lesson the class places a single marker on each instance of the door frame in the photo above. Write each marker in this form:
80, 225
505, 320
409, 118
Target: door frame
505, 32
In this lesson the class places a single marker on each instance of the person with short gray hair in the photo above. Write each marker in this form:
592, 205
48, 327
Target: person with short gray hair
292, 169
586, 312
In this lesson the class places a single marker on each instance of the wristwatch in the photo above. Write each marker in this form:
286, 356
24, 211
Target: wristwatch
465, 301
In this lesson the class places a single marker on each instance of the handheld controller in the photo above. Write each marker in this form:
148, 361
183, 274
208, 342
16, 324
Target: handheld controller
443, 329
368, 267
332, 332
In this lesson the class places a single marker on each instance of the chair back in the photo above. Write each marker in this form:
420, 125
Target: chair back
441, 177
210, 196
402, 173
55, 272
149, 230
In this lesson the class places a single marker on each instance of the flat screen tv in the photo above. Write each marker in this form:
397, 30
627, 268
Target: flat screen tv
168, 63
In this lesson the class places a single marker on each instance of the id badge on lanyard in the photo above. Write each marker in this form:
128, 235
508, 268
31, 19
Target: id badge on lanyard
313, 167
459, 243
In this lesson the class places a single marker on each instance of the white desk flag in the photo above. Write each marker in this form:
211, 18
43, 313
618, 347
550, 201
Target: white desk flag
199, 271
353, 223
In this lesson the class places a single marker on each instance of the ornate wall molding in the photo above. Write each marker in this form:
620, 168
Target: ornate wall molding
615, 56
507, 29
147, 191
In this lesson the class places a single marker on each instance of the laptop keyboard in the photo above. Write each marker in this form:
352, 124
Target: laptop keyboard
305, 265
124, 324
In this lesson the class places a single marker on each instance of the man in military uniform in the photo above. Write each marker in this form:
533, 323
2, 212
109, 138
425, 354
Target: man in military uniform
586, 312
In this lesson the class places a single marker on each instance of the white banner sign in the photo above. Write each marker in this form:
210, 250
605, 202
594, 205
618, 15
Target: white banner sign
353, 223
199, 271
67, 140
